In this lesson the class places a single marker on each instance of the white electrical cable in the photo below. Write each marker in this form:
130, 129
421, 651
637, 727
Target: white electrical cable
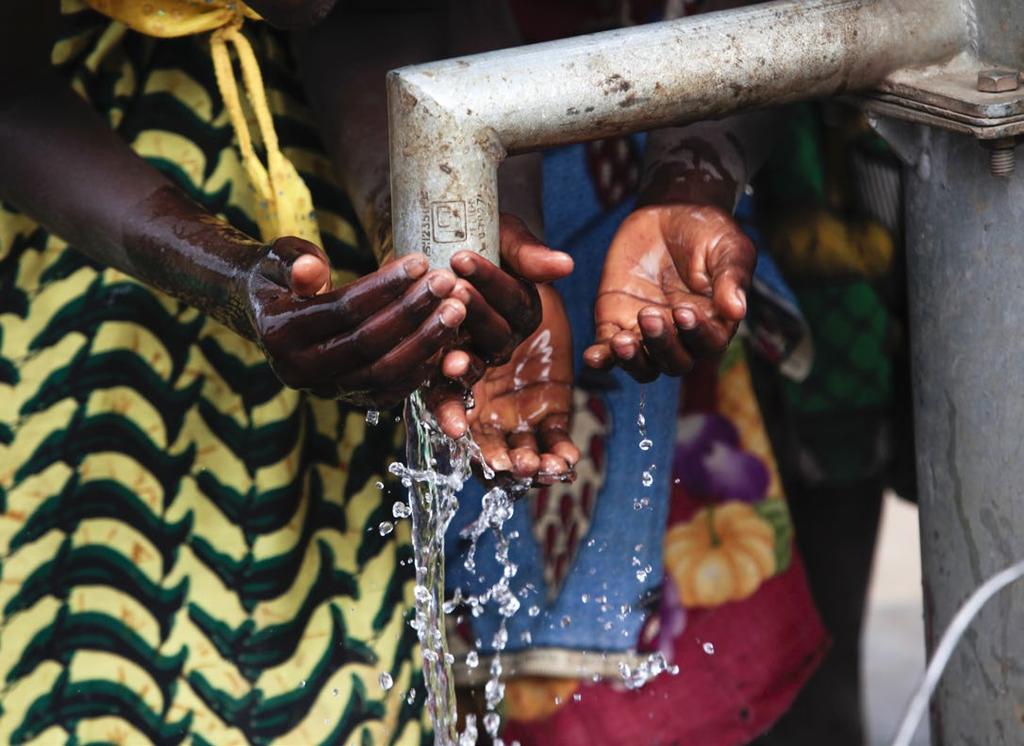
961, 621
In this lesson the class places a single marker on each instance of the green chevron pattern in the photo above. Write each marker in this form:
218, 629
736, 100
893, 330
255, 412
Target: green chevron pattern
188, 551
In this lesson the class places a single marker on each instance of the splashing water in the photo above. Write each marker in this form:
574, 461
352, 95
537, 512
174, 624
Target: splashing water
497, 507
654, 665
437, 469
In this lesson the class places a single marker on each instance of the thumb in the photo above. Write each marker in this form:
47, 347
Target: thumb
526, 255
298, 265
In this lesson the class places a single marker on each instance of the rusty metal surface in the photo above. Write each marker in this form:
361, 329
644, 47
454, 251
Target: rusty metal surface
947, 96
451, 122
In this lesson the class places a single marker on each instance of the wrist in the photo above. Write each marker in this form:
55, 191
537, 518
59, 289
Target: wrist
691, 170
176, 245
681, 183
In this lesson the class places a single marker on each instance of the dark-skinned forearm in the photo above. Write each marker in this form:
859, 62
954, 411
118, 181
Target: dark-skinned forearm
65, 167
708, 163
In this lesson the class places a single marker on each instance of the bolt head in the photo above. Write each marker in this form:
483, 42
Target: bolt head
998, 81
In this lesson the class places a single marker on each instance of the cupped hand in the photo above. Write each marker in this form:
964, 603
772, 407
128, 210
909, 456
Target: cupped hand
522, 408
371, 342
673, 290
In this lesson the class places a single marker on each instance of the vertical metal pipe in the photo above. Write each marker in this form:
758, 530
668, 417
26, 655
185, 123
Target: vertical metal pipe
451, 122
965, 242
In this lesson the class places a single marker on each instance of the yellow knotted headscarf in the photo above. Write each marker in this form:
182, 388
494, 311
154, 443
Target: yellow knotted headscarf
284, 205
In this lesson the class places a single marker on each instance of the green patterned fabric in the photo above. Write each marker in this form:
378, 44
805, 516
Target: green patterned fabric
189, 551
829, 198
852, 367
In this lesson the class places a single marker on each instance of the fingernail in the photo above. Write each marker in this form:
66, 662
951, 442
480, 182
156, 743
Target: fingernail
441, 283
686, 318
416, 266
455, 429
626, 352
464, 264
451, 315
502, 463
741, 298
653, 324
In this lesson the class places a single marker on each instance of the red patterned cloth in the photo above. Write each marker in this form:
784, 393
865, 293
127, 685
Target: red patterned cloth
735, 614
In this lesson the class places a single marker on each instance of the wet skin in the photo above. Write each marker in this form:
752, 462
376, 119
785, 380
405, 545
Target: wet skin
673, 290
674, 284
523, 409
370, 342
342, 63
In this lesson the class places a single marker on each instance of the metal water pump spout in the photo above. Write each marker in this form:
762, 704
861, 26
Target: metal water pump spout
452, 122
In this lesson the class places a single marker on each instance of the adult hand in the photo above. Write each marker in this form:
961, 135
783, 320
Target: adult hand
371, 342
673, 290
522, 408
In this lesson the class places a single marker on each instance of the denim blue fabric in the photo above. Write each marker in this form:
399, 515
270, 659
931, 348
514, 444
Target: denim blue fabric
605, 565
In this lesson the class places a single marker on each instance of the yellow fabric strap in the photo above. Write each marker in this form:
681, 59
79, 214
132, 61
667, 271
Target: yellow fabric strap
284, 206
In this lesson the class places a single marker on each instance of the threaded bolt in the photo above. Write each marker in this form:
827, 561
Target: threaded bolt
1002, 156
1002, 161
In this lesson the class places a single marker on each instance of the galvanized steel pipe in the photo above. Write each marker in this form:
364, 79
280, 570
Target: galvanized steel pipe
452, 122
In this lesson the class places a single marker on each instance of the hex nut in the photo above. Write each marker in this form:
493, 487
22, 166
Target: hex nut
998, 81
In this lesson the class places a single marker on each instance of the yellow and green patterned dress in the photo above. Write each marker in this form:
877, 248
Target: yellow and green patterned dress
189, 552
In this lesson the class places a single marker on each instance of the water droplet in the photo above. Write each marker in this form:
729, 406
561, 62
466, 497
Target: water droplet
500, 638
401, 510
642, 503
647, 479
526, 637
641, 421
645, 444
492, 721
472, 659
577, 697
585, 598
641, 576
533, 611
386, 682
449, 658
709, 648
334, 692
422, 594
412, 696
302, 684
565, 621
385, 528
372, 417
558, 700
